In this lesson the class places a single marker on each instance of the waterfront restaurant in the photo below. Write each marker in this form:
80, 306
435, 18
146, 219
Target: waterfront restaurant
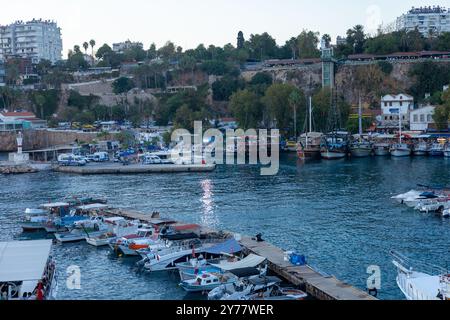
16, 121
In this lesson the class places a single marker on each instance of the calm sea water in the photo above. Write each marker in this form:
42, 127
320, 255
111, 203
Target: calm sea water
339, 214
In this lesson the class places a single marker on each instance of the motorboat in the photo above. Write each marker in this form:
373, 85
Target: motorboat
35, 220
129, 245
245, 289
207, 281
414, 200
446, 213
27, 271
431, 284
437, 150
447, 151
400, 150
278, 293
361, 149
117, 227
83, 229
334, 146
382, 149
178, 252
420, 149
436, 205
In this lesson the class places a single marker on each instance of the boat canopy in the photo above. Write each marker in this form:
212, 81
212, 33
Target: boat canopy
250, 261
264, 280
245, 272
230, 246
55, 205
94, 206
23, 260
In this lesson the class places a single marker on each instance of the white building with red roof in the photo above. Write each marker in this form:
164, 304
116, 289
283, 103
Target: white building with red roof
12, 120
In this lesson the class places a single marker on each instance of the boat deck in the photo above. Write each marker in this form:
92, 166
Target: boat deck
317, 285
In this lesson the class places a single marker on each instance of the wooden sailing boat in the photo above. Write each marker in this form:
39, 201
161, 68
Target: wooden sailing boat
309, 145
360, 148
334, 144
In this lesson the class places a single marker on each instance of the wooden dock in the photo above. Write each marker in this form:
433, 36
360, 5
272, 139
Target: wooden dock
134, 169
315, 284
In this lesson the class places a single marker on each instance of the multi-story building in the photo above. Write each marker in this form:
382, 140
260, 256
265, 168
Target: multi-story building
121, 47
395, 106
36, 39
420, 119
2, 73
430, 21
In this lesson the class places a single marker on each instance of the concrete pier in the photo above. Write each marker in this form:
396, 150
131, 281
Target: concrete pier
315, 284
134, 169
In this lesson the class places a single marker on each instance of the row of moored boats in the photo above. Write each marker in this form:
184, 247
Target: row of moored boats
210, 263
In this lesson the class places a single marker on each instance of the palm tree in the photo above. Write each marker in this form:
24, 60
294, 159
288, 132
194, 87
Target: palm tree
76, 49
85, 46
92, 43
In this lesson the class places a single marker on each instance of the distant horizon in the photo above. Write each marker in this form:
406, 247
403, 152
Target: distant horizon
198, 22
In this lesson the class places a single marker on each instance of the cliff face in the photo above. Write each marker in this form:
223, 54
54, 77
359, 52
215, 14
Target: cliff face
350, 80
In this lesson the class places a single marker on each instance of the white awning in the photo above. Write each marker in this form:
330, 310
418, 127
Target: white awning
55, 205
23, 260
251, 261
94, 206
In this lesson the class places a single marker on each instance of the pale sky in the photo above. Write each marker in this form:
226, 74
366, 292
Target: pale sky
190, 22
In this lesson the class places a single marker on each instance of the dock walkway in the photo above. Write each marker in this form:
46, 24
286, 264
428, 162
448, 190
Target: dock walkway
317, 285
134, 169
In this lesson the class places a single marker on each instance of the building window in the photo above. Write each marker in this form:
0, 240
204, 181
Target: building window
401, 103
422, 118
385, 104
416, 118
390, 104
429, 118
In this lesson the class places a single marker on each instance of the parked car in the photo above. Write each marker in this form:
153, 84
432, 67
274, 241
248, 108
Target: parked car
71, 160
151, 159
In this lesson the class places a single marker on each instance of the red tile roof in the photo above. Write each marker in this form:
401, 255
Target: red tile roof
18, 114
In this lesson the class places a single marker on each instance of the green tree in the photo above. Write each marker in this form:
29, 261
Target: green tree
122, 85
279, 108
262, 46
246, 108
225, 87
356, 38
85, 47
442, 113
307, 43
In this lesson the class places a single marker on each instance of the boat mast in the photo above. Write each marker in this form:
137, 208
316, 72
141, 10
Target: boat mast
360, 118
310, 114
400, 127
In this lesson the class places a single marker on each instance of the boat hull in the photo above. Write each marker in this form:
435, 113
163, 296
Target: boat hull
68, 237
309, 154
361, 152
436, 153
333, 155
400, 153
419, 153
381, 152
447, 154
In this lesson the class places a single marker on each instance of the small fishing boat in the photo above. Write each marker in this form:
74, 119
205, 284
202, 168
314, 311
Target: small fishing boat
129, 245
278, 294
437, 150
400, 150
382, 149
433, 206
207, 281
432, 284
447, 151
309, 144
420, 149
83, 229
361, 149
35, 220
116, 227
27, 272
245, 289
446, 213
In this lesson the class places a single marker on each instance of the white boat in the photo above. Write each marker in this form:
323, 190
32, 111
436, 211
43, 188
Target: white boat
361, 149
437, 150
433, 206
415, 285
381, 149
447, 151
245, 289
420, 149
207, 281
400, 150
410, 194
130, 244
27, 271
117, 227
446, 213
91, 228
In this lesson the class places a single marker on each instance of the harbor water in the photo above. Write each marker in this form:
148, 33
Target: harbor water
338, 214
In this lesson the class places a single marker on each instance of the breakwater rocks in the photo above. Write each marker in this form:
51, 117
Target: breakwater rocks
17, 169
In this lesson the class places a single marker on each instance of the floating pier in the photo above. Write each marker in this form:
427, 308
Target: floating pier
315, 284
135, 169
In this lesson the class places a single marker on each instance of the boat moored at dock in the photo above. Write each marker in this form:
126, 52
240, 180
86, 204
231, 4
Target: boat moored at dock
27, 271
